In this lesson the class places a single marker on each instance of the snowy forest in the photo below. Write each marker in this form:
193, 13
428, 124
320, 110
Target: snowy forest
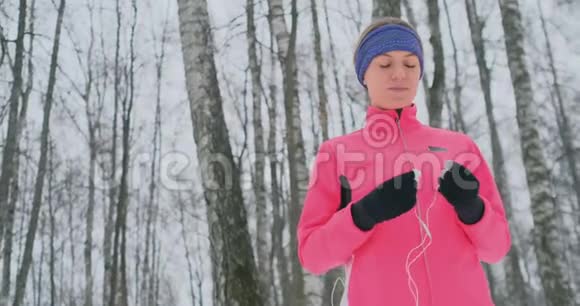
107, 199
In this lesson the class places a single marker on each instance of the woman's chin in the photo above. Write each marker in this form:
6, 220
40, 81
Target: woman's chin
394, 104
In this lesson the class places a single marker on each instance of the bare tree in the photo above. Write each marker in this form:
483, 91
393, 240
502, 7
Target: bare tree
333, 64
278, 215
37, 200
37, 291
322, 97
181, 204
331, 276
15, 184
383, 8
413, 21
457, 114
234, 270
108, 284
546, 236
120, 235
565, 131
512, 289
71, 175
437, 90
3, 48
147, 295
286, 42
52, 225
262, 225
93, 113
9, 151
563, 121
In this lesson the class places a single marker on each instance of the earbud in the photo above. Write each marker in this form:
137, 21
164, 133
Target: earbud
417, 175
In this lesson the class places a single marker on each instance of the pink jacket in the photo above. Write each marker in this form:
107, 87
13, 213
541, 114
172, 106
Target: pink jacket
399, 262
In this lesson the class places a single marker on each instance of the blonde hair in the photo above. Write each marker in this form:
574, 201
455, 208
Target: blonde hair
379, 23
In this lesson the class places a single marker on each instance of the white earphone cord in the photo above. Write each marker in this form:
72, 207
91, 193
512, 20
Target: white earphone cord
333, 288
425, 225
410, 281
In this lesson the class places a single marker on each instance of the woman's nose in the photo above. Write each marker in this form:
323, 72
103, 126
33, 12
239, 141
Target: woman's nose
398, 72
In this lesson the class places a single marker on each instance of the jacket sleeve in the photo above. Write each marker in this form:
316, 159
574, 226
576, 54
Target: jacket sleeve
491, 234
327, 236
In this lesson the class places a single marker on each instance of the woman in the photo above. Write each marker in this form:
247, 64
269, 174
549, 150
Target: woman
404, 238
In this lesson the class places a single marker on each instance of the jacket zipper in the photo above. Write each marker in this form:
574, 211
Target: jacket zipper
405, 148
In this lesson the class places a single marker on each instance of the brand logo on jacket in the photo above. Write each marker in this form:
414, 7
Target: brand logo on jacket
437, 149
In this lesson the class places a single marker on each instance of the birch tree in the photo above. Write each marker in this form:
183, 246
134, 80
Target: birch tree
278, 211
286, 43
262, 228
234, 270
514, 283
546, 236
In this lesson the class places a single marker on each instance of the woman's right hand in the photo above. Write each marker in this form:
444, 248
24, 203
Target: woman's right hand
387, 201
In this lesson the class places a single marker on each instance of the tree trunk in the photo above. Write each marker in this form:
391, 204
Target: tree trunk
277, 208
565, 130
413, 21
457, 114
314, 128
332, 275
37, 200
565, 133
333, 64
52, 224
109, 287
153, 294
38, 292
262, 226
437, 91
286, 43
15, 184
384, 8
186, 248
10, 143
88, 247
68, 184
546, 235
120, 236
235, 274
322, 98
512, 289
146, 292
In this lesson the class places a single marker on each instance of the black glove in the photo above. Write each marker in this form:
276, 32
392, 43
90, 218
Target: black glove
389, 200
461, 189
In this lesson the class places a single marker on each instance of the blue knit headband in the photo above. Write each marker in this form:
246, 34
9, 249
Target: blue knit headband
384, 39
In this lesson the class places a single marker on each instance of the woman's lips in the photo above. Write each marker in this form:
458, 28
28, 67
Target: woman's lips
397, 88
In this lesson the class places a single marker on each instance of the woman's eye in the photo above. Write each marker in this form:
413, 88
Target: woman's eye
411, 66
385, 66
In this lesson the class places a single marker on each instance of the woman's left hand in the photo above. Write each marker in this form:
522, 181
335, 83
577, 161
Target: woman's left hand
461, 189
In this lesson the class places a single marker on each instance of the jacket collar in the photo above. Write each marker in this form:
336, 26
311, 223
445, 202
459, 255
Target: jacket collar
407, 117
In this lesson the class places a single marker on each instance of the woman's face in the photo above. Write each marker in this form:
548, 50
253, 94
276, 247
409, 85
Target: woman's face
392, 79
